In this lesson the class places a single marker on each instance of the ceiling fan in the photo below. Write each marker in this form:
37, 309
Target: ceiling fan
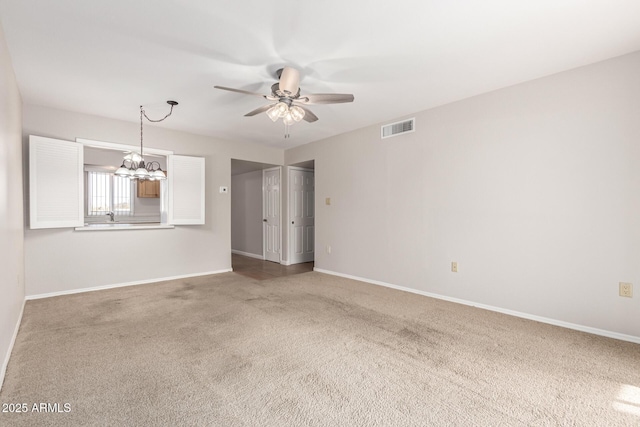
286, 101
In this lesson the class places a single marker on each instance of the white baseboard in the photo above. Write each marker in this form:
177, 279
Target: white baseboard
120, 285
5, 363
582, 328
249, 254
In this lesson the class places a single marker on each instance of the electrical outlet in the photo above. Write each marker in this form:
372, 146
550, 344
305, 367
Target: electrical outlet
626, 290
454, 267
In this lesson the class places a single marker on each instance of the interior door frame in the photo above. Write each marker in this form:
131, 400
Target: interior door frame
289, 233
264, 214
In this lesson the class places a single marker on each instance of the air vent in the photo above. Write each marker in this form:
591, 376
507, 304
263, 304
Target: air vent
393, 129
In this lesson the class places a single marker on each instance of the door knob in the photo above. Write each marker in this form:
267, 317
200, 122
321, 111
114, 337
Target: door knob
264, 220
291, 222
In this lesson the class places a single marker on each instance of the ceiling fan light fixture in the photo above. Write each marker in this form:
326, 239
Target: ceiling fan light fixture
297, 113
282, 109
273, 114
288, 119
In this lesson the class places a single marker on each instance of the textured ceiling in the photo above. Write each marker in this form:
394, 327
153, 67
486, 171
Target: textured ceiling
397, 57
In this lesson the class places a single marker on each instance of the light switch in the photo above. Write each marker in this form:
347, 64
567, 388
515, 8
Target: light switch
327, 201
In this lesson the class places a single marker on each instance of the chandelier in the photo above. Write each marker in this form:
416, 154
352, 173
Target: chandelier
133, 165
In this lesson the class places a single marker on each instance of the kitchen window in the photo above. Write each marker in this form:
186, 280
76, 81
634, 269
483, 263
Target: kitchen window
108, 194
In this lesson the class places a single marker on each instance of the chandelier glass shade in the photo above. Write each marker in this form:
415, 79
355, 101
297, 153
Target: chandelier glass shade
140, 170
133, 156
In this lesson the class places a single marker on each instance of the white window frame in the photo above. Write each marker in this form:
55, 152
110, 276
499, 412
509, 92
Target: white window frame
112, 185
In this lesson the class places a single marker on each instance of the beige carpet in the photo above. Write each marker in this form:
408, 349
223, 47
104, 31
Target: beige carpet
307, 350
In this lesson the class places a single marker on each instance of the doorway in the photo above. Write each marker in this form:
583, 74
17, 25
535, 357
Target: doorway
264, 270
301, 214
260, 194
247, 208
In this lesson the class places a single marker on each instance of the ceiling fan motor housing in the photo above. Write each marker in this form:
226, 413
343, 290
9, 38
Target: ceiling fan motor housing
289, 81
277, 93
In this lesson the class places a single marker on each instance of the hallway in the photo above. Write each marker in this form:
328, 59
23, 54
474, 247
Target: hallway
262, 270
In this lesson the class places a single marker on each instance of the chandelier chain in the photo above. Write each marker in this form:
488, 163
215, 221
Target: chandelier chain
141, 114
144, 113
159, 120
133, 165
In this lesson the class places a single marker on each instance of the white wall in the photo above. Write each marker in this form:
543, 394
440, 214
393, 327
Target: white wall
62, 259
534, 190
11, 229
246, 212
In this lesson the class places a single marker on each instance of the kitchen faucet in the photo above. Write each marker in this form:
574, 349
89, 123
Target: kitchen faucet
111, 216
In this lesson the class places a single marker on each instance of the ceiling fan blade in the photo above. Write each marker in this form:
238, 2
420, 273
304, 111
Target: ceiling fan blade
289, 81
326, 98
259, 110
308, 115
246, 92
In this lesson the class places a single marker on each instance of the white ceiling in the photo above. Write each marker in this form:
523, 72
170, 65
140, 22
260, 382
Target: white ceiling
397, 57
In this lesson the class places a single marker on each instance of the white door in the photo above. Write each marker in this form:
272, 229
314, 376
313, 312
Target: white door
301, 215
271, 213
